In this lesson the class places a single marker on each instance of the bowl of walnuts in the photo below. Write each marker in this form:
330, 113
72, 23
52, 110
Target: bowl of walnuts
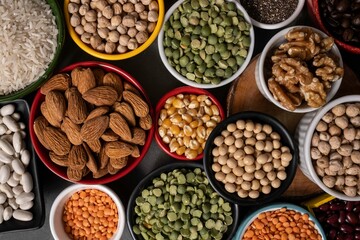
300, 69
94, 130
114, 30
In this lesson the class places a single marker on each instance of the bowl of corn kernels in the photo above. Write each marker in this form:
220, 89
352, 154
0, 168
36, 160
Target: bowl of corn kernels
87, 211
185, 118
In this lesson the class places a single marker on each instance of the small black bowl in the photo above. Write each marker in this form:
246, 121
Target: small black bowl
38, 209
130, 214
286, 140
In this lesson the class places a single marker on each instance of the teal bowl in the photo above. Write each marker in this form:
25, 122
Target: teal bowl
59, 19
271, 207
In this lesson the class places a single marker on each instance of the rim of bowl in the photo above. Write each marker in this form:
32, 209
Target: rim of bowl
119, 56
188, 82
263, 82
284, 23
286, 137
344, 45
307, 143
156, 173
77, 187
160, 105
275, 206
58, 170
56, 11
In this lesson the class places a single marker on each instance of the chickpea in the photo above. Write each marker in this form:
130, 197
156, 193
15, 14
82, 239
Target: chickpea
216, 167
229, 140
231, 163
246, 185
276, 183
242, 193
266, 189
230, 187
238, 171
230, 178
220, 176
254, 194
240, 124
225, 169
231, 127
249, 160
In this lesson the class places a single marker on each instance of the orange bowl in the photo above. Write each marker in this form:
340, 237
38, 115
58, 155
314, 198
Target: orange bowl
43, 153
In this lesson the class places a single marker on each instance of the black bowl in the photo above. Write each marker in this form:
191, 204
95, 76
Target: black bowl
130, 214
286, 140
37, 210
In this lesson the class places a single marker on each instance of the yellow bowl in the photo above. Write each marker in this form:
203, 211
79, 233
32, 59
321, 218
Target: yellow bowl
118, 56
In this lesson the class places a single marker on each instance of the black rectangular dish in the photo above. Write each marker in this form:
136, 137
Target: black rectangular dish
38, 211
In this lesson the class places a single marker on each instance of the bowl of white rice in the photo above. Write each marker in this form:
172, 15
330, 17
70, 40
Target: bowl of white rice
32, 34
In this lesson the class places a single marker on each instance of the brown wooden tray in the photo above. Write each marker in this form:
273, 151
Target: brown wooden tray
244, 95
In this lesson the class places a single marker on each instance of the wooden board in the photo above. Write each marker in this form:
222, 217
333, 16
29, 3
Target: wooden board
244, 95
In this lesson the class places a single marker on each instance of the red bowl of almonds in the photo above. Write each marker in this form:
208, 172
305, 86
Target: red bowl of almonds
185, 118
100, 125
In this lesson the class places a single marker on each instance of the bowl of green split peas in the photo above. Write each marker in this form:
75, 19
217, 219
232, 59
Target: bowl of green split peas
177, 201
206, 43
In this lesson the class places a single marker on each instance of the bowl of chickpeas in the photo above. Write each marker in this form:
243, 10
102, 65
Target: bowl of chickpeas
185, 118
114, 30
87, 211
280, 221
250, 158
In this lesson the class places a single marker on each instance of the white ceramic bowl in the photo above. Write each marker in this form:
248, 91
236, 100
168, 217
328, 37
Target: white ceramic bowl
57, 208
303, 135
186, 81
284, 23
272, 207
261, 79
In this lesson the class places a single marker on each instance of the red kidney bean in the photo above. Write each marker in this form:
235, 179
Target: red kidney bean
357, 236
324, 207
349, 206
333, 220
337, 206
346, 228
342, 217
356, 209
352, 218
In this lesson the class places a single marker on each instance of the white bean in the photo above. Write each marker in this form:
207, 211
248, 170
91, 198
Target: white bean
13, 204
16, 176
3, 129
1, 213
12, 182
16, 116
17, 190
24, 197
2, 198
17, 142
7, 213
5, 158
22, 125
5, 188
18, 166
7, 147
4, 173
25, 157
27, 205
22, 215
27, 182
11, 124
7, 110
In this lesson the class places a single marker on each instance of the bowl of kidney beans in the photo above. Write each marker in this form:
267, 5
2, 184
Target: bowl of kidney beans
340, 219
339, 19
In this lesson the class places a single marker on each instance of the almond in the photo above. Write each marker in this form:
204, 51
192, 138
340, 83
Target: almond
141, 108
95, 145
99, 96
56, 104
118, 149
85, 80
109, 136
100, 173
136, 152
57, 140
93, 129
77, 109
59, 82
103, 158
128, 86
119, 125
75, 175
77, 157
111, 169
146, 122
91, 163
40, 124
139, 136
114, 80
48, 116
59, 160
99, 75
126, 111
72, 131
119, 163
99, 111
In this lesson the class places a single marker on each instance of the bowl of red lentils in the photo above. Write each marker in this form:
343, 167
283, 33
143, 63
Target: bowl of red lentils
250, 158
87, 211
280, 221
185, 118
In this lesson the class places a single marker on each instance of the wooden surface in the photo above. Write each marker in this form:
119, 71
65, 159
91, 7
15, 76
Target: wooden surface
244, 95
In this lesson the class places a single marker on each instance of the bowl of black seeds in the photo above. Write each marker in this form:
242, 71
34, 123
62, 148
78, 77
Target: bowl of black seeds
272, 14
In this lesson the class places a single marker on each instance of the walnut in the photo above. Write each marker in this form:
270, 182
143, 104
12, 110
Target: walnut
327, 69
280, 95
314, 93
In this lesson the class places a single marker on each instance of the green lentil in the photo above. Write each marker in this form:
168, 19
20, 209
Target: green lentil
188, 208
213, 31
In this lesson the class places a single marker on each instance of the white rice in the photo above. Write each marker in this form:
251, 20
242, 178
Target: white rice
28, 36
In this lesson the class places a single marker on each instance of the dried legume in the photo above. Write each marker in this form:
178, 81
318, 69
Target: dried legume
206, 41
90, 214
257, 162
282, 224
181, 204
185, 123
